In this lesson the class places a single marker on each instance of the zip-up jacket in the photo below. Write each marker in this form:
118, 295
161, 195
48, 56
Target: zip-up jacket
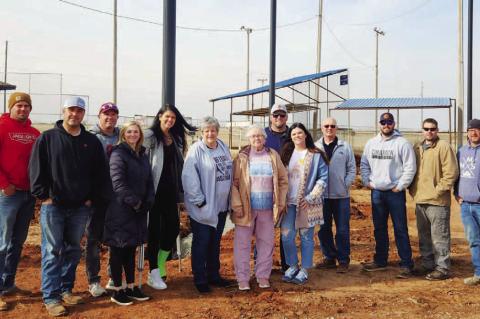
16, 142
341, 170
388, 163
437, 172
68, 169
468, 184
276, 140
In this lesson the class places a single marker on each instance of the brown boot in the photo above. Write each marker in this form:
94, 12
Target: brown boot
70, 299
56, 309
3, 304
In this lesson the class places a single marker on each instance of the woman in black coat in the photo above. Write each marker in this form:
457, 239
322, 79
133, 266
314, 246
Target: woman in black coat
126, 217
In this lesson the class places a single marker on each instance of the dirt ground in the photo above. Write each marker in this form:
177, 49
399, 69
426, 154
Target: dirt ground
327, 294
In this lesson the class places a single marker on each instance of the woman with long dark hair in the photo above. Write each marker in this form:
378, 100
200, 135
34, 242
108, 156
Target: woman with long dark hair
307, 178
167, 144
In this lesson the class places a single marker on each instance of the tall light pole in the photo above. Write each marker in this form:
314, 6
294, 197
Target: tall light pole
248, 31
460, 75
115, 51
470, 60
318, 68
378, 32
5, 78
262, 80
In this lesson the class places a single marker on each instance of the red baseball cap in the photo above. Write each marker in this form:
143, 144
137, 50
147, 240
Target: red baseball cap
109, 106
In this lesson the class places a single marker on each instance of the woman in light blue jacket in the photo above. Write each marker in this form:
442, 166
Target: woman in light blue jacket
207, 179
307, 179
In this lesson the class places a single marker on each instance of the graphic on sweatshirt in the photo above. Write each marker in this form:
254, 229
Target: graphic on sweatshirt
22, 137
467, 167
383, 154
223, 167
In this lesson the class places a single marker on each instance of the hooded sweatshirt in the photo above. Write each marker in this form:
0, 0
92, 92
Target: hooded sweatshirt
16, 142
201, 171
468, 183
68, 169
388, 162
108, 141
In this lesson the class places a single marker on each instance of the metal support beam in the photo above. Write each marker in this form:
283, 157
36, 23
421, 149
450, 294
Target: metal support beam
115, 51
328, 91
169, 36
5, 78
303, 94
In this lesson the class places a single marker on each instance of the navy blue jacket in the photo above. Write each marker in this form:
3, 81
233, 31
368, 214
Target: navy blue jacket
126, 220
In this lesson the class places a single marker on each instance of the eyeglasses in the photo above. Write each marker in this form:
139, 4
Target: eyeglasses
279, 115
329, 126
386, 122
259, 136
431, 129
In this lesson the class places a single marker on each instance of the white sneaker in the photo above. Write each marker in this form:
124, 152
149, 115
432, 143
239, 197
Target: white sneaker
111, 286
155, 280
96, 290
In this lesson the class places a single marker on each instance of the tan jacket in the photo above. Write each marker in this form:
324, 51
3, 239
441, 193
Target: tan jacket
241, 210
437, 171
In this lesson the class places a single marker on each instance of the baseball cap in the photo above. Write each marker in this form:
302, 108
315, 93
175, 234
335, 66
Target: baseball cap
387, 116
108, 106
278, 108
74, 101
474, 123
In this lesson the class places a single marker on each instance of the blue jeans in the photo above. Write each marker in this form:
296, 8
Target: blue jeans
471, 223
339, 210
16, 212
206, 250
288, 237
62, 230
385, 203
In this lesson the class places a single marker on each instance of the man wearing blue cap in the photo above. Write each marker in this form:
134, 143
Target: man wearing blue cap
67, 173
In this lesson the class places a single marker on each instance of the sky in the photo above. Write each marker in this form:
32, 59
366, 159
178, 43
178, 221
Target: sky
54, 37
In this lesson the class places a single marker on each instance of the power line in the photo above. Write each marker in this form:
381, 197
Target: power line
401, 15
181, 27
353, 57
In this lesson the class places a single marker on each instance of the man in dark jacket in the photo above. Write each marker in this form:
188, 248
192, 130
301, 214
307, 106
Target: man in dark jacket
107, 133
67, 173
276, 137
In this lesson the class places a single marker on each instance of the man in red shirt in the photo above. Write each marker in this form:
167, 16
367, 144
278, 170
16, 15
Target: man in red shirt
16, 202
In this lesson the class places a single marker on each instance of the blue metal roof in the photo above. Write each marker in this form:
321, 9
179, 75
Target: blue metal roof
6, 86
395, 103
281, 84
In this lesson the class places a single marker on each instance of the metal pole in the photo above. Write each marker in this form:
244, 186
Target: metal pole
169, 35
248, 31
262, 80
273, 40
213, 108
231, 124
377, 33
5, 78
460, 68
470, 60
115, 51
318, 68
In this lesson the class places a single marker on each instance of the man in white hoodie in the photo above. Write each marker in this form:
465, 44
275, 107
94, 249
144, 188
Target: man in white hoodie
387, 167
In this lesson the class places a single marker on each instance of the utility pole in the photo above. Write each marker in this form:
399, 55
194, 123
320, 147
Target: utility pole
248, 31
115, 51
318, 68
273, 43
421, 110
460, 74
262, 80
470, 60
169, 42
378, 32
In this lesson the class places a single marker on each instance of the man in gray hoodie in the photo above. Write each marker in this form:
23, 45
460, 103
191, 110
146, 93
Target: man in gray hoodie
387, 167
341, 174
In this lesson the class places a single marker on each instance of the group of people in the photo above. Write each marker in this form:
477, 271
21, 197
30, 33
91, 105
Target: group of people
122, 187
